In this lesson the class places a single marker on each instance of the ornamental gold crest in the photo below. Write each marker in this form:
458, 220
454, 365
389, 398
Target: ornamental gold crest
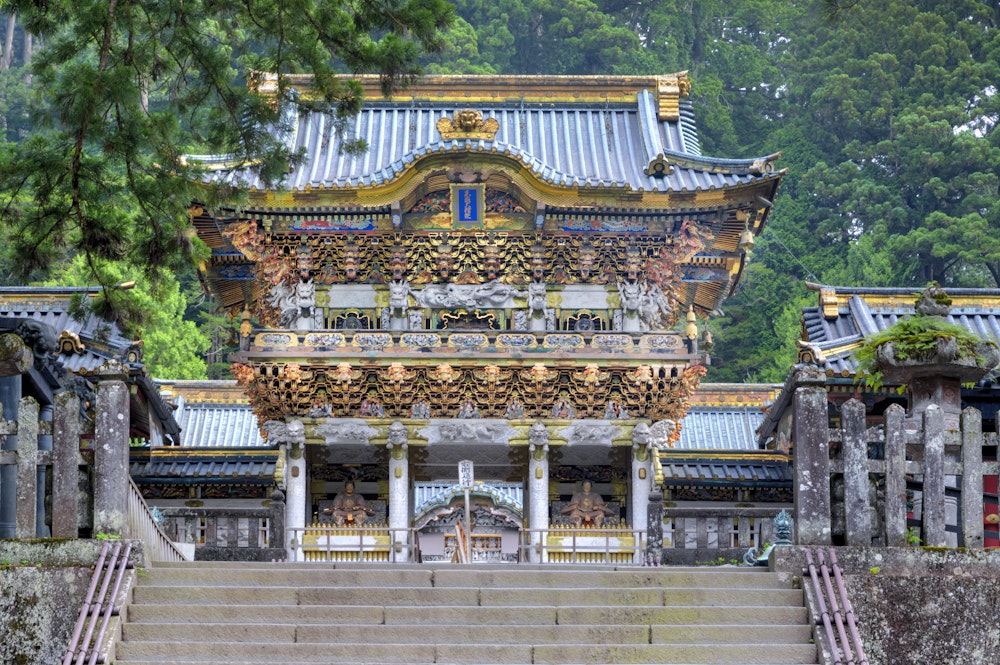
468, 124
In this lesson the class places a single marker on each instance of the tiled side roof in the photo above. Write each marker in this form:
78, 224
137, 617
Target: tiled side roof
835, 328
208, 426
748, 469
720, 428
185, 465
51, 305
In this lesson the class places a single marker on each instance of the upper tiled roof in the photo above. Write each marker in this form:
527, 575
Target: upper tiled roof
569, 131
835, 329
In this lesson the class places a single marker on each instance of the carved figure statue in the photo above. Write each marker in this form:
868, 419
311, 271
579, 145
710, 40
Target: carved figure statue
282, 298
586, 506
305, 302
654, 308
630, 293
399, 291
536, 297
349, 507
415, 320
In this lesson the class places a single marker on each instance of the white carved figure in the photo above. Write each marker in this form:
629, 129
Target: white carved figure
399, 292
305, 302
630, 293
471, 296
415, 319
520, 319
292, 433
536, 297
654, 308
282, 298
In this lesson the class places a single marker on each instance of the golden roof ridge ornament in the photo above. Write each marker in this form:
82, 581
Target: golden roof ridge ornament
468, 124
669, 90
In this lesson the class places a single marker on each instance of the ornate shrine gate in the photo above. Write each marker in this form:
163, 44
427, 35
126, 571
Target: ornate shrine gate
512, 274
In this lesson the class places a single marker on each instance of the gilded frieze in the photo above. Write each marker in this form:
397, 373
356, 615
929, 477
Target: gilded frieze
279, 390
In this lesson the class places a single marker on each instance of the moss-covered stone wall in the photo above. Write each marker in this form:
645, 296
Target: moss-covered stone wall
44, 584
918, 605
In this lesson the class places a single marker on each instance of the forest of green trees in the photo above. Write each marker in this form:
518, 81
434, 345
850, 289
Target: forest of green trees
885, 112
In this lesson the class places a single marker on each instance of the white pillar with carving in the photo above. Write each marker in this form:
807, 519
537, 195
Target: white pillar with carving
642, 479
538, 489
292, 437
399, 492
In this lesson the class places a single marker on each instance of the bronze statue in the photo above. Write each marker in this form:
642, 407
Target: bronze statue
349, 507
586, 506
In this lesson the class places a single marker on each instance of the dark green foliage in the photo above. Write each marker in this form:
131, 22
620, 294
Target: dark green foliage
122, 90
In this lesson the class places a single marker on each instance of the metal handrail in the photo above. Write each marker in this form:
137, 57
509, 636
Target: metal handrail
836, 612
140, 525
98, 606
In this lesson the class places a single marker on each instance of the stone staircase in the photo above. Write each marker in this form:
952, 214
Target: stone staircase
288, 614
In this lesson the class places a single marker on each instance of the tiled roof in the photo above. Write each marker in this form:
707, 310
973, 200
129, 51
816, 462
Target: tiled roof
51, 305
835, 328
758, 469
179, 465
213, 414
210, 426
563, 142
720, 428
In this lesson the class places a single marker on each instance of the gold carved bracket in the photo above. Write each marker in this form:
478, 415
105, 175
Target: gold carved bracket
468, 124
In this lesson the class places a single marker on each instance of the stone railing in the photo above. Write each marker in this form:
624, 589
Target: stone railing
41, 444
237, 534
862, 463
706, 533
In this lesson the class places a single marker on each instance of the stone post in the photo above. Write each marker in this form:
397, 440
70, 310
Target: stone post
857, 514
933, 495
538, 490
111, 428
15, 359
895, 477
399, 491
972, 478
44, 443
642, 476
27, 468
812, 458
277, 519
66, 466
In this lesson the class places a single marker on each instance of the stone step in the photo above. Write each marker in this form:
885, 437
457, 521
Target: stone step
458, 577
487, 597
363, 614
355, 653
465, 634
465, 615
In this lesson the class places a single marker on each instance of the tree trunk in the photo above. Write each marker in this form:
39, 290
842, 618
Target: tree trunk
8, 44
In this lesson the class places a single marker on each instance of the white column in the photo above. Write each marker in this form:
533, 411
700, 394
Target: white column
642, 479
399, 491
538, 488
295, 499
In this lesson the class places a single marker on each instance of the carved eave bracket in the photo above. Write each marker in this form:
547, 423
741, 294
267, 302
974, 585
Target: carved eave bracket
468, 124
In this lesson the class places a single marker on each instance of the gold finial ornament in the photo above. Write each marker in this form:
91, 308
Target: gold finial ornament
691, 330
659, 167
468, 124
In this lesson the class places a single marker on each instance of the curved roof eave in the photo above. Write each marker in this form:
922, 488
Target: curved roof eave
699, 173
